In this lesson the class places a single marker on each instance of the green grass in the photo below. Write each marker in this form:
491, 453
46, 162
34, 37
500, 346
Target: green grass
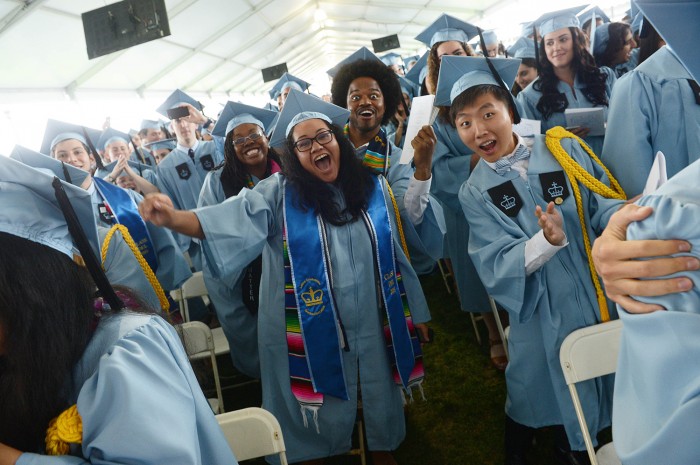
461, 421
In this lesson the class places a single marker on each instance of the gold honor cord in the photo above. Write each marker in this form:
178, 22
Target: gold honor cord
576, 173
165, 305
404, 246
65, 429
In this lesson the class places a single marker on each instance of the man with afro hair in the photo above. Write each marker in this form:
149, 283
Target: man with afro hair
372, 93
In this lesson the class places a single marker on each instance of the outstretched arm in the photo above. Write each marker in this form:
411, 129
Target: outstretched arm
159, 210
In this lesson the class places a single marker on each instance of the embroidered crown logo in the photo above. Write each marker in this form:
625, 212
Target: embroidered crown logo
556, 190
312, 298
508, 202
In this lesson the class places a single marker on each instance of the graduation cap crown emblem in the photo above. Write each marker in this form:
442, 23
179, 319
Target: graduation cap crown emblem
556, 190
508, 202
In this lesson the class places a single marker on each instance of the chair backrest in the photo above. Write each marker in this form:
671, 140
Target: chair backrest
198, 341
591, 352
585, 354
253, 432
193, 287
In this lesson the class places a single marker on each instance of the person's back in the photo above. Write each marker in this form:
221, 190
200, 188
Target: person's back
653, 108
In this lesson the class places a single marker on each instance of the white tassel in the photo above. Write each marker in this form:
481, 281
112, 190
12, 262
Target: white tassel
314, 413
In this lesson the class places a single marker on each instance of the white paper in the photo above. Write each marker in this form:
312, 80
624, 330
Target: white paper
422, 113
591, 118
657, 176
528, 127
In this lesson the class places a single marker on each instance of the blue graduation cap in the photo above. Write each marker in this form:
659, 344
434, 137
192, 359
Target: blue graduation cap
161, 144
58, 131
459, 73
29, 209
111, 135
587, 13
602, 37
362, 54
176, 99
447, 28
288, 80
526, 29
415, 75
636, 25
392, 58
677, 23
136, 166
235, 114
555, 20
271, 107
150, 124
63, 171
413, 58
490, 37
301, 107
523, 45
409, 87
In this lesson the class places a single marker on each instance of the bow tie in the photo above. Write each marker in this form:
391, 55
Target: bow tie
504, 164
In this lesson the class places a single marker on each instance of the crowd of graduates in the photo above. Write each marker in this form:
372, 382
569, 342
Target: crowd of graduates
312, 219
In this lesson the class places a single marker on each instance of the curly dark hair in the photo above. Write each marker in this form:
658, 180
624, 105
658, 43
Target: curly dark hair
354, 179
552, 101
234, 175
618, 34
385, 77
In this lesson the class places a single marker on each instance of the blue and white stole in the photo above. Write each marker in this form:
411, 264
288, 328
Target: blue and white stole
126, 212
315, 333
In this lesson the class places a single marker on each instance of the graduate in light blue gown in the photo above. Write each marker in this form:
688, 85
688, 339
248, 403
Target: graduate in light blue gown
372, 93
655, 108
335, 297
121, 379
286, 83
150, 131
112, 205
613, 47
120, 264
181, 174
568, 77
526, 242
656, 403
249, 160
117, 151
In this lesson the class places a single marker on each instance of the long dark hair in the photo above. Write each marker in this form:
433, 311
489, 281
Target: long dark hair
617, 40
530, 63
234, 175
552, 101
354, 180
45, 326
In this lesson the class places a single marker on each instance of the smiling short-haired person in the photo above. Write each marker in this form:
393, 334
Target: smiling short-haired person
327, 230
533, 211
372, 92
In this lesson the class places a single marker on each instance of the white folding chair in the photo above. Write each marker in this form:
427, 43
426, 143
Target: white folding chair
499, 324
199, 344
195, 287
253, 432
585, 354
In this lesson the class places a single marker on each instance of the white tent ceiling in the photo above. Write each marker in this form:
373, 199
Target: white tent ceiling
215, 46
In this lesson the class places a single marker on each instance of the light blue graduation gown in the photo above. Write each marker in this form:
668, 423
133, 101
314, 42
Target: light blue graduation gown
148, 175
149, 159
239, 325
139, 400
652, 109
181, 179
529, 97
451, 169
629, 65
547, 305
172, 267
657, 388
424, 240
242, 227
391, 128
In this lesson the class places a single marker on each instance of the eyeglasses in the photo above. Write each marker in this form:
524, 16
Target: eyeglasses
242, 140
304, 145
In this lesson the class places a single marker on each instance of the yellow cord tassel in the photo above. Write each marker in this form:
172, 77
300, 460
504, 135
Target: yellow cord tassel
576, 173
404, 246
164, 304
65, 429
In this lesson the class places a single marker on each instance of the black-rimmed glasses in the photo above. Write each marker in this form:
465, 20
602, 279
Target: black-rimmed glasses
304, 145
